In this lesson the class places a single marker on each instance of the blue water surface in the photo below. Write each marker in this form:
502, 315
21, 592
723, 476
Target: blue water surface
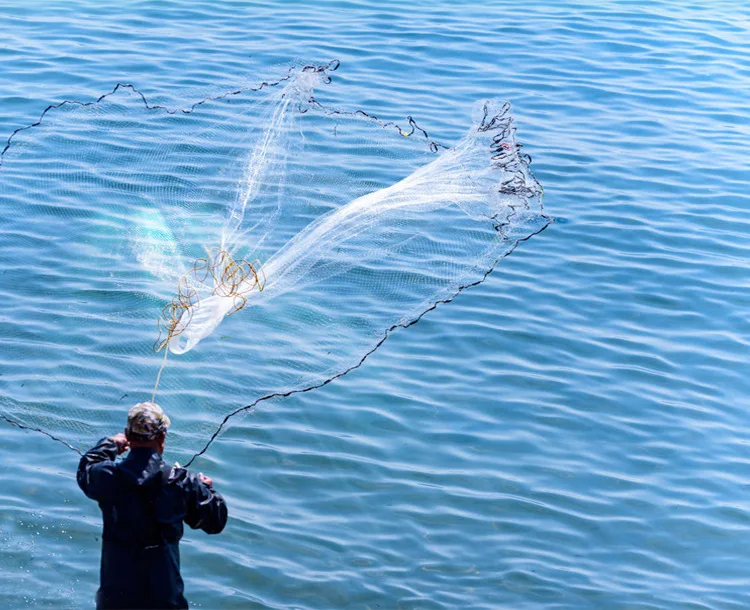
571, 433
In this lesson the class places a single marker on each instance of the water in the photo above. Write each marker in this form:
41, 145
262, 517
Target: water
569, 434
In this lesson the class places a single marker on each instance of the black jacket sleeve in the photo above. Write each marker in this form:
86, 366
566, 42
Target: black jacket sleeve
96, 470
206, 508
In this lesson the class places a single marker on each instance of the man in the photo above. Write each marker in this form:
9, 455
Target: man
144, 503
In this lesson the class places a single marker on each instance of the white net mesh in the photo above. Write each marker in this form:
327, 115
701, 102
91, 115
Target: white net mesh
352, 230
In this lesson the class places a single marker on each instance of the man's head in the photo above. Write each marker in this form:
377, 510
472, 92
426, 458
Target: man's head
147, 426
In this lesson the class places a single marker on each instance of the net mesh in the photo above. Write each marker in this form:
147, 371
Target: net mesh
266, 241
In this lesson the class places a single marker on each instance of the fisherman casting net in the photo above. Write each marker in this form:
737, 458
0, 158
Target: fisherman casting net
276, 240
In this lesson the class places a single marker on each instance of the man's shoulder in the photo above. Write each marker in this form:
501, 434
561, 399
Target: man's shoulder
178, 475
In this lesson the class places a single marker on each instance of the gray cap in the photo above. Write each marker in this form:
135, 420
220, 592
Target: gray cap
146, 419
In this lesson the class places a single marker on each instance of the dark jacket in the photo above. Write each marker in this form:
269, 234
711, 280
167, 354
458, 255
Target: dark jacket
144, 503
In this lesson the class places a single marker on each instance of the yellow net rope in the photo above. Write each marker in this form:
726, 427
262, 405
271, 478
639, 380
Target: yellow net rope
220, 275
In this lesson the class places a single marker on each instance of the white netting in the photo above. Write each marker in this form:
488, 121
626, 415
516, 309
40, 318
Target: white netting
114, 210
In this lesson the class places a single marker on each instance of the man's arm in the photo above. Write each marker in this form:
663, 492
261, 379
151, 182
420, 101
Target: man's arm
97, 467
206, 508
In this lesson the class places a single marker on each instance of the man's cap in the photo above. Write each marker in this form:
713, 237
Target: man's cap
146, 419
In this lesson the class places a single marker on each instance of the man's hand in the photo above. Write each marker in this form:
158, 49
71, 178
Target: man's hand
207, 481
122, 443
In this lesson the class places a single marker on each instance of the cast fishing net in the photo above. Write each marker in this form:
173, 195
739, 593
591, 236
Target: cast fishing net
256, 244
